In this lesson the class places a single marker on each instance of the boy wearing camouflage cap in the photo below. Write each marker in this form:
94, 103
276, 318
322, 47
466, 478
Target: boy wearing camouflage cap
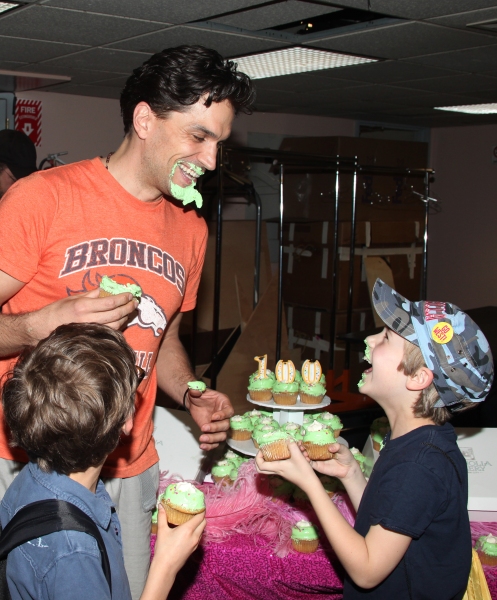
412, 537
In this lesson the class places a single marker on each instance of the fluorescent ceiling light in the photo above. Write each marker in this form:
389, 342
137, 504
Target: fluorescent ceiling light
5, 6
295, 60
472, 109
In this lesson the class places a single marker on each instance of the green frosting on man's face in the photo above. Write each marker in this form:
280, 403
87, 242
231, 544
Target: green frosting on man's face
189, 193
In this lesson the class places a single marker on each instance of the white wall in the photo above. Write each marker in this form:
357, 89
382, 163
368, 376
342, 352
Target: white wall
462, 263
84, 126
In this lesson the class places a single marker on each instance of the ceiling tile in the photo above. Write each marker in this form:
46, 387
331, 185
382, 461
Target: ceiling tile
472, 60
404, 41
225, 43
68, 26
108, 59
164, 11
27, 51
418, 9
463, 19
456, 83
272, 15
303, 82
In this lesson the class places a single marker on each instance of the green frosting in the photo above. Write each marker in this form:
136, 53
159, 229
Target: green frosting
112, 287
155, 516
240, 422
367, 353
304, 530
185, 495
310, 418
189, 193
255, 415
316, 389
235, 458
280, 387
197, 385
234, 473
269, 375
362, 381
487, 544
360, 458
222, 468
266, 421
298, 376
377, 437
261, 384
262, 430
319, 434
331, 421
272, 436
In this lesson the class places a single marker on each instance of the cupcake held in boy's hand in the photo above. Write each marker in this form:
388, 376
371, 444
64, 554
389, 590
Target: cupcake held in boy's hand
182, 501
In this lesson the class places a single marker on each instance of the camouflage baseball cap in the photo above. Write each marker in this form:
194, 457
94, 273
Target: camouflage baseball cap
452, 344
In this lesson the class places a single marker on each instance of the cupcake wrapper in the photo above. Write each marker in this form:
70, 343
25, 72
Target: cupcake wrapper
275, 451
223, 480
103, 294
261, 395
337, 432
305, 546
240, 434
153, 529
308, 399
285, 399
485, 559
317, 452
376, 446
256, 444
176, 517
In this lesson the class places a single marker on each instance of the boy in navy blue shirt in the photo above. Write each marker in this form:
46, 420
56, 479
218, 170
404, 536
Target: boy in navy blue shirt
411, 537
67, 403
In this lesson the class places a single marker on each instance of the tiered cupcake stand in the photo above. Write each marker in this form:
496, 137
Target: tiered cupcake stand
282, 414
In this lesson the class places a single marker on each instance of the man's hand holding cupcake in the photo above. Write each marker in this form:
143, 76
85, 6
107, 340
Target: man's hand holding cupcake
211, 410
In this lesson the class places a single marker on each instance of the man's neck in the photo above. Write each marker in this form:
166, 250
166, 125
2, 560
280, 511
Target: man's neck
88, 478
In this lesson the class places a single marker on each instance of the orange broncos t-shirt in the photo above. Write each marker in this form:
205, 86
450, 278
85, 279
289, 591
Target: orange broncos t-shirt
62, 230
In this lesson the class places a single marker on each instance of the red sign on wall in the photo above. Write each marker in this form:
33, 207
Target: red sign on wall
28, 119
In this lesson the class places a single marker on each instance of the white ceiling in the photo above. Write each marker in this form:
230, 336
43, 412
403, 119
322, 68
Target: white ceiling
430, 52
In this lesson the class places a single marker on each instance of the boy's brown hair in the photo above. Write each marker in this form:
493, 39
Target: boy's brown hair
67, 399
424, 407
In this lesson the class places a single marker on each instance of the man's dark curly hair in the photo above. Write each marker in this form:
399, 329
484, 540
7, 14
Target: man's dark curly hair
176, 78
67, 399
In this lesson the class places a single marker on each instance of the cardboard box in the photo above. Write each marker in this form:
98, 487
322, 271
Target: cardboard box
478, 448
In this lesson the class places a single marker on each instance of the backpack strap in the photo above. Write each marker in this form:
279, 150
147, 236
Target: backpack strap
49, 516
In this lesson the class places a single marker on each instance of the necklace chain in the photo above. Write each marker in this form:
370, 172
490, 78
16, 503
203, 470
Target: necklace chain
107, 160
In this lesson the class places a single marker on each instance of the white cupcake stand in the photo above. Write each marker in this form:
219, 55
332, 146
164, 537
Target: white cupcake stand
282, 414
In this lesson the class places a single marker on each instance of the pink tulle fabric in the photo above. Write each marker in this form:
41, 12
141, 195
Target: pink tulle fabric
477, 530
249, 508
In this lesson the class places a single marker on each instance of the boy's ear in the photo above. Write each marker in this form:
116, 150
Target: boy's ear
420, 380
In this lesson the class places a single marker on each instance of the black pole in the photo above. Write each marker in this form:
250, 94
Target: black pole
258, 226
334, 276
217, 271
280, 272
351, 263
424, 272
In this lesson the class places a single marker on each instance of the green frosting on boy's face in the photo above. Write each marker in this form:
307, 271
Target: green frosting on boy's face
362, 381
367, 353
189, 193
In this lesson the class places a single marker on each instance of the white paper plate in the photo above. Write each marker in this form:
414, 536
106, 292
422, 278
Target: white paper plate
299, 406
247, 447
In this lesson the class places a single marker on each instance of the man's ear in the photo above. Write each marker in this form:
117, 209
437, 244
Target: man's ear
420, 380
142, 120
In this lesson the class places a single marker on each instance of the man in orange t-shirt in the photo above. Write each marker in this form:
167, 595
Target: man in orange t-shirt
65, 228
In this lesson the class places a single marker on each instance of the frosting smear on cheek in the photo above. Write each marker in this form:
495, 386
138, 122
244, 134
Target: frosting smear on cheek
189, 193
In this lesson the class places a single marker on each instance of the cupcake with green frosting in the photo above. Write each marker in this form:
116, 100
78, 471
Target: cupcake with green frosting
331, 421
309, 418
285, 393
255, 415
316, 440
274, 445
486, 547
241, 428
260, 431
259, 388
379, 429
360, 458
221, 470
304, 537
312, 393
267, 420
293, 429
234, 457
109, 287
182, 501
197, 385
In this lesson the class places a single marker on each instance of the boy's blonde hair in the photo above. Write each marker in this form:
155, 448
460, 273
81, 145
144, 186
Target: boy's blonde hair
424, 407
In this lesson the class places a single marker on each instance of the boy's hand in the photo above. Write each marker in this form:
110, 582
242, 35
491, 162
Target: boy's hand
341, 465
172, 547
175, 544
295, 469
